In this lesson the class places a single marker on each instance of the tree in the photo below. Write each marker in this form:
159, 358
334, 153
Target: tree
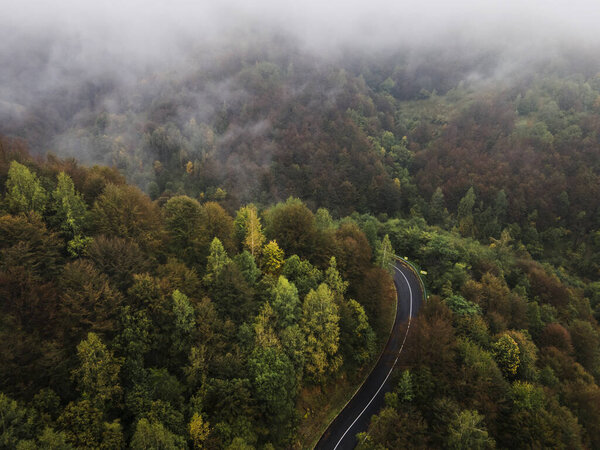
185, 322
285, 302
466, 431
25, 241
302, 273
126, 212
16, 422
254, 237
465, 213
506, 352
320, 324
293, 225
219, 224
334, 280
68, 206
199, 430
586, 342
356, 335
24, 192
272, 258
353, 252
438, 214
53, 440
184, 219
84, 426
459, 305
216, 263
323, 220
396, 429
98, 372
386, 254
404, 390
274, 382
154, 436
247, 265
118, 258
87, 301
264, 334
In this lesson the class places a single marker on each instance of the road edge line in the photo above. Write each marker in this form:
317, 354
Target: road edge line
369, 373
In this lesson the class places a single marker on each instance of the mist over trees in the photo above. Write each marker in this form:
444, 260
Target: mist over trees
199, 205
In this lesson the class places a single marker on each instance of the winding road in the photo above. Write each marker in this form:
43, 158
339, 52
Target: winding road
369, 399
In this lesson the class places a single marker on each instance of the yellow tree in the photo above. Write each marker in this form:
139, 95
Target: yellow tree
254, 235
272, 257
320, 324
199, 430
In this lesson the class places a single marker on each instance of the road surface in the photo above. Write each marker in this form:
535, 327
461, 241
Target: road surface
369, 399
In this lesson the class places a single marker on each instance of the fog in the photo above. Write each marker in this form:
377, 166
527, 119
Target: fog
135, 32
53, 51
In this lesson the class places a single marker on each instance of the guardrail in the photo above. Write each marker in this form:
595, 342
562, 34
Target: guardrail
416, 270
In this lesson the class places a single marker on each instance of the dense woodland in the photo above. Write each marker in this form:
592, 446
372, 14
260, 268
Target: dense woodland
226, 258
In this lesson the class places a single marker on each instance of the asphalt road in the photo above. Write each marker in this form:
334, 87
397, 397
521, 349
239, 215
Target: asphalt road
369, 399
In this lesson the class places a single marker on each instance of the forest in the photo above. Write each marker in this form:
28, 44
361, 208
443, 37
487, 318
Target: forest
204, 263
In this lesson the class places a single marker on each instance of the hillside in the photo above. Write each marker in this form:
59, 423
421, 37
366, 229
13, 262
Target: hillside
195, 257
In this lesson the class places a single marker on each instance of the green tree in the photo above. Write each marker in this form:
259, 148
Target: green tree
216, 263
323, 220
264, 334
53, 440
385, 254
356, 335
24, 192
247, 265
154, 436
285, 302
467, 431
506, 352
199, 430
334, 280
438, 214
405, 390
98, 373
84, 426
185, 321
459, 305
302, 273
395, 429
320, 324
272, 258
184, 218
16, 422
465, 213
68, 206
274, 382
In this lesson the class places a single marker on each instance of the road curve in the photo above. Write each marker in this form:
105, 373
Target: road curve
369, 399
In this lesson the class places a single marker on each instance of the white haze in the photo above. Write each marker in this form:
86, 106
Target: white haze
57, 46
138, 32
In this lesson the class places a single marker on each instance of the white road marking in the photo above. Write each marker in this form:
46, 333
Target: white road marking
393, 365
